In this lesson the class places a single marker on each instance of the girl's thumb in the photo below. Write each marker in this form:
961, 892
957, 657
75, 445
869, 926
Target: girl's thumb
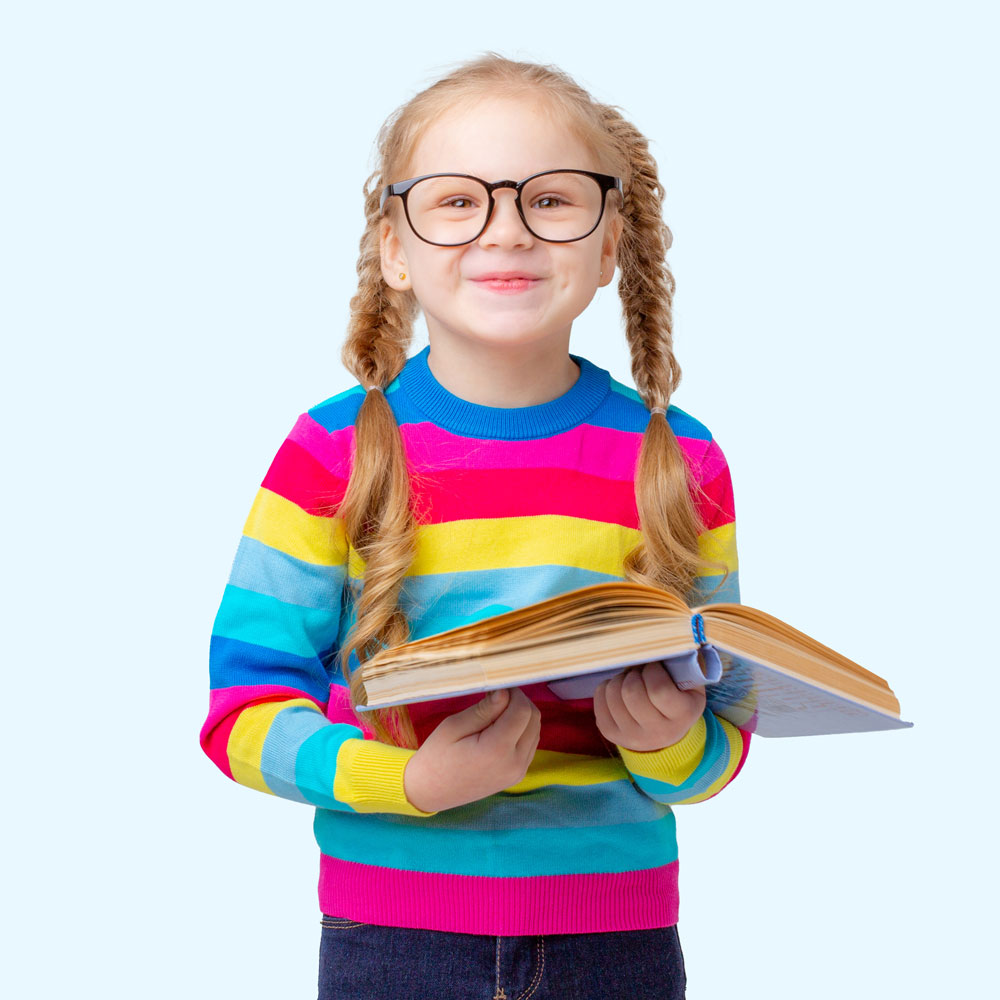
486, 710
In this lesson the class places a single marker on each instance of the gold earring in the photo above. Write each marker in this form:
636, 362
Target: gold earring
402, 275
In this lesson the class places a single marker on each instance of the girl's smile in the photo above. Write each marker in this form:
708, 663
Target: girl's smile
508, 282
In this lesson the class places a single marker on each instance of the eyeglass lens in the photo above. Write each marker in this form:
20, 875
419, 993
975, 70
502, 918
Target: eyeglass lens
452, 209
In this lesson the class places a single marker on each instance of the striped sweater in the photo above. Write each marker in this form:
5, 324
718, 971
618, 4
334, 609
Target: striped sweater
513, 505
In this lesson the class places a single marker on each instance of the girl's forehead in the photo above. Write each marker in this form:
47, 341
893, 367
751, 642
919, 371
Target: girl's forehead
499, 138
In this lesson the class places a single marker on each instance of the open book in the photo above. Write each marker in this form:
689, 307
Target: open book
759, 673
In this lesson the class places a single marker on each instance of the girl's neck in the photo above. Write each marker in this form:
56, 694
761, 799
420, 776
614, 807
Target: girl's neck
504, 376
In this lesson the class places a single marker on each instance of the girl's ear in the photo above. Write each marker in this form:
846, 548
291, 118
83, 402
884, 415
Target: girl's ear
609, 248
393, 257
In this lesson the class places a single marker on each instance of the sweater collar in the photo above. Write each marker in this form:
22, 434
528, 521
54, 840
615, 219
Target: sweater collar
510, 423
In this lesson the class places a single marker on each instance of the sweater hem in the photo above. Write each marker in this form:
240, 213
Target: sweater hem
474, 904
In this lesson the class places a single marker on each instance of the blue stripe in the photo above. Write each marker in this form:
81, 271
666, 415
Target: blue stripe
265, 570
238, 664
266, 621
621, 409
424, 398
290, 728
341, 410
436, 602
624, 410
551, 806
367, 839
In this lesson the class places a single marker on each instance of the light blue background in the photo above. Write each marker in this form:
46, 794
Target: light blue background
181, 213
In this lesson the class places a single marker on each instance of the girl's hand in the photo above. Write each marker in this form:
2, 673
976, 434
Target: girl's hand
474, 753
642, 709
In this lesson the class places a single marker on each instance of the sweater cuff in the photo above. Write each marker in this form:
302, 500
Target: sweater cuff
672, 765
369, 777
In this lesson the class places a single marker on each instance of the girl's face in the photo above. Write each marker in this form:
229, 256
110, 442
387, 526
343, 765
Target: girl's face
497, 139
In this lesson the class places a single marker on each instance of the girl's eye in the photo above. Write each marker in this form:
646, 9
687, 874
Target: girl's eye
548, 201
459, 201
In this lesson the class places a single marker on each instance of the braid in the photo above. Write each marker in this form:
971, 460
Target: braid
667, 555
376, 508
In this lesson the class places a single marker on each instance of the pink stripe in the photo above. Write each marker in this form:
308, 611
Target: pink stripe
714, 502
596, 451
339, 710
296, 475
332, 449
602, 451
543, 904
224, 707
222, 701
214, 740
693, 450
710, 463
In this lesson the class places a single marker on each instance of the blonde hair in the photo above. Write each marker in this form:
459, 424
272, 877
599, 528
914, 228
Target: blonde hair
376, 509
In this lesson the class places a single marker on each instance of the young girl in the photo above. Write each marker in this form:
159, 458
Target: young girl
514, 845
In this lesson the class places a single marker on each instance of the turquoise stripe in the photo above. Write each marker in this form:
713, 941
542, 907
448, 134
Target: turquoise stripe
266, 621
550, 807
265, 570
367, 839
729, 593
316, 765
627, 391
290, 728
713, 762
436, 602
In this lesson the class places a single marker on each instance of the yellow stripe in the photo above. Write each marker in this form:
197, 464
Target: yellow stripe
550, 767
369, 777
719, 544
539, 540
672, 765
283, 525
246, 741
506, 542
735, 752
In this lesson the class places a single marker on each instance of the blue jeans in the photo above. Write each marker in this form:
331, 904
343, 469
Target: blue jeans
367, 962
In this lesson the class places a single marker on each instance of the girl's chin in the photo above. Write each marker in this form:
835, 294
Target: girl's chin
514, 335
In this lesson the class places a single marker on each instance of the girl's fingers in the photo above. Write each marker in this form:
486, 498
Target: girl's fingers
528, 741
476, 718
636, 697
618, 710
666, 697
605, 724
510, 725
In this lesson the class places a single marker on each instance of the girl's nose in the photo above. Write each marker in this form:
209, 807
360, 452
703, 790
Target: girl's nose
505, 227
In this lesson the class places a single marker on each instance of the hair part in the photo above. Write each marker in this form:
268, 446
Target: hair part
377, 513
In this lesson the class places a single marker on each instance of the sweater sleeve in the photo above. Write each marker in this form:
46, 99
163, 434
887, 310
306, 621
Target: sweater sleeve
272, 653
712, 752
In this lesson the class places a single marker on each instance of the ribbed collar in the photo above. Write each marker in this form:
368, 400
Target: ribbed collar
509, 423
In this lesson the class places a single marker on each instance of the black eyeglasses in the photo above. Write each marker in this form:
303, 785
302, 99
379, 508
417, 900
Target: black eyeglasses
557, 206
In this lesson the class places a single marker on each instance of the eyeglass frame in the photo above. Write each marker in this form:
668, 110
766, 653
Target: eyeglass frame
401, 189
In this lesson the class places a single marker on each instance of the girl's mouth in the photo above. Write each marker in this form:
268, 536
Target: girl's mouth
509, 285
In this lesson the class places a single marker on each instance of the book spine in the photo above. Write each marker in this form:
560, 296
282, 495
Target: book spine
698, 629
